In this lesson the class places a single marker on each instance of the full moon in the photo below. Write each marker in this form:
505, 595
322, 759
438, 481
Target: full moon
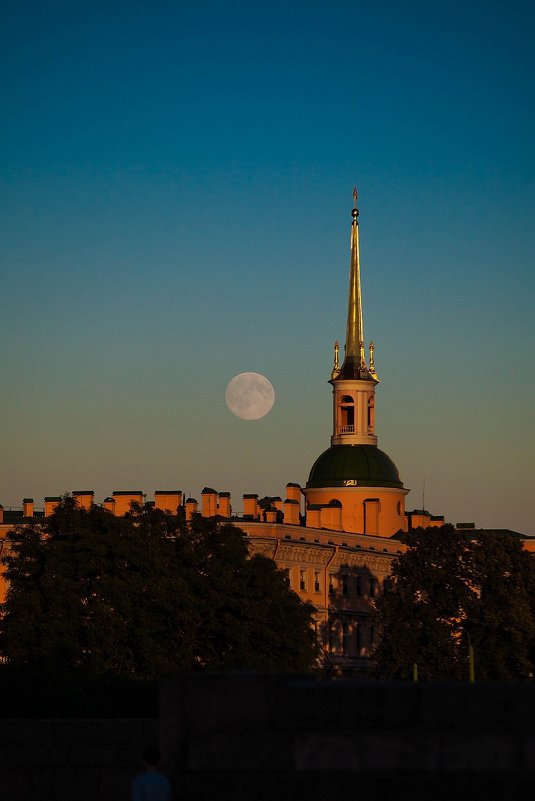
250, 396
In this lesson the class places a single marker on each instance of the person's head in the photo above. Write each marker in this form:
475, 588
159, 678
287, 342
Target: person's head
151, 756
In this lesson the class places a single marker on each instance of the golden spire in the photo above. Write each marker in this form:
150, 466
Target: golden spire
354, 309
354, 365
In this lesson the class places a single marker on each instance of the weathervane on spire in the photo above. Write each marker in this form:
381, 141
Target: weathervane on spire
355, 212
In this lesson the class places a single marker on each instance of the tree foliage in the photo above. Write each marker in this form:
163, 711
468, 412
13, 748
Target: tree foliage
146, 594
451, 588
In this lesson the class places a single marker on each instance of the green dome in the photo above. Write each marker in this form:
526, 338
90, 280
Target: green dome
365, 465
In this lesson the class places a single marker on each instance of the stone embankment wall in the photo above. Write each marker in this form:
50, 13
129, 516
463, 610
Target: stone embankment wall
271, 738
250, 737
72, 760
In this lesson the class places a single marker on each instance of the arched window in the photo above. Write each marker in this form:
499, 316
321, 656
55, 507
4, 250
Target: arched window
347, 415
371, 414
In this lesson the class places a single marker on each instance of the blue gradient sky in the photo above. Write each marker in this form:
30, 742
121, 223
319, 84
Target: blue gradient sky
175, 190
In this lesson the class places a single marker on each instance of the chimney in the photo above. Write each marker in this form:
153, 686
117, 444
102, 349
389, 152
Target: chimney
250, 507
293, 492
271, 515
109, 505
124, 500
27, 507
224, 504
291, 512
191, 508
50, 504
209, 502
168, 500
83, 498
277, 503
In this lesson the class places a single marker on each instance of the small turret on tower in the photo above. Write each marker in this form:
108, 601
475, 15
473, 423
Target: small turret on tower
372, 362
336, 366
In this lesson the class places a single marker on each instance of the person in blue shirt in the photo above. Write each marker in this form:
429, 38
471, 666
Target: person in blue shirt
151, 785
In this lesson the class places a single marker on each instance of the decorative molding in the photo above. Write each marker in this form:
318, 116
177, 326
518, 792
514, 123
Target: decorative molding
320, 555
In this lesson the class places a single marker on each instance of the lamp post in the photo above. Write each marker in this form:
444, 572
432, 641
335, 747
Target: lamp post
471, 661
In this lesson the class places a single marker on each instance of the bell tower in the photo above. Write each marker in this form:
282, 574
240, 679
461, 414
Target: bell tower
354, 477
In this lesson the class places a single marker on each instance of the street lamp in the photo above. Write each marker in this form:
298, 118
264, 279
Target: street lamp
471, 662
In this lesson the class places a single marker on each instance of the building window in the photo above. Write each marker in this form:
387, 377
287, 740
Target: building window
345, 590
373, 587
331, 584
358, 643
346, 638
358, 585
332, 636
302, 580
371, 415
316, 581
347, 415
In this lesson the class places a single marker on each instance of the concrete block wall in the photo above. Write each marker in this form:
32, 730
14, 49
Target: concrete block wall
72, 760
251, 737
272, 738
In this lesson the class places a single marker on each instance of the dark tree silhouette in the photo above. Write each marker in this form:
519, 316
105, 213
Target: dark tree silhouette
146, 594
454, 587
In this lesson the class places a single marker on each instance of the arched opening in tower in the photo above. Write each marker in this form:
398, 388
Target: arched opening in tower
371, 415
347, 415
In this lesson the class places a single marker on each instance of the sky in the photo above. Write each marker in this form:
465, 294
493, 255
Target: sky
176, 186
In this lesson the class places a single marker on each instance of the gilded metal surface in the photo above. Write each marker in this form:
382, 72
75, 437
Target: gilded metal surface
354, 365
372, 362
336, 366
354, 329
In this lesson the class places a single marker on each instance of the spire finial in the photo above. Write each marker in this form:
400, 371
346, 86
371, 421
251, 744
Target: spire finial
355, 212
